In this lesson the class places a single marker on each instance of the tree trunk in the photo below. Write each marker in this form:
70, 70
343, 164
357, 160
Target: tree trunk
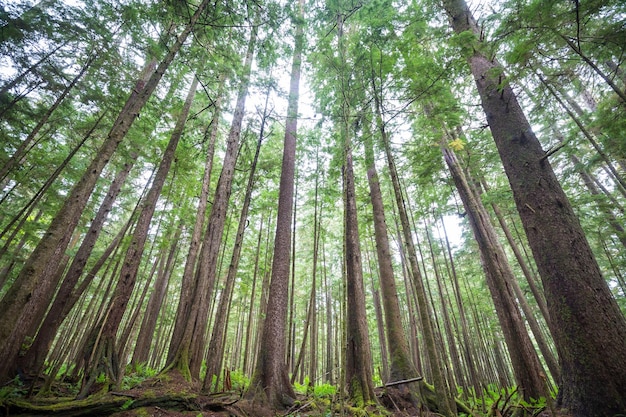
330, 374
499, 275
188, 279
358, 365
215, 355
66, 296
589, 328
400, 360
270, 383
311, 308
145, 337
194, 332
247, 349
128, 273
468, 352
445, 399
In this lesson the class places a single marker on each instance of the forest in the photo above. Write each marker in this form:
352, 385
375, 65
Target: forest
313, 208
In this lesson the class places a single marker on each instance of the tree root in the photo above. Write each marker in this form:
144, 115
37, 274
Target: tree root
110, 404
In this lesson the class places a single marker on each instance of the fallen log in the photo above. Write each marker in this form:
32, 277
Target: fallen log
101, 406
404, 381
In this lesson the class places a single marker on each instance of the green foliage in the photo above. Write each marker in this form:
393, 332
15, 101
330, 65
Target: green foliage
505, 402
324, 390
127, 404
239, 380
15, 389
139, 374
318, 391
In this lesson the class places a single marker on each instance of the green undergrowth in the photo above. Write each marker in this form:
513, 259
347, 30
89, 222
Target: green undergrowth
504, 402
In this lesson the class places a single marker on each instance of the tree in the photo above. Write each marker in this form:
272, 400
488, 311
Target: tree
401, 365
187, 356
270, 384
529, 375
104, 353
589, 328
358, 356
216, 346
30, 295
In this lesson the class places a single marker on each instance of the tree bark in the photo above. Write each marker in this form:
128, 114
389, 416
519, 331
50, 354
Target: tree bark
589, 327
106, 350
499, 275
358, 365
401, 366
215, 355
141, 351
188, 279
66, 296
445, 399
270, 383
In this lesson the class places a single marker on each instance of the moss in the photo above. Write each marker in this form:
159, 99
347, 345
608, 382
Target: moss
93, 400
148, 394
142, 412
356, 393
357, 411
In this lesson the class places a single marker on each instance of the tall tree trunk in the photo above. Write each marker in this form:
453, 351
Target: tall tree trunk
589, 328
358, 365
317, 216
330, 363
247, 349
548, 356
145, 337
445, 400
270, 383
66, 296
453, 356
311, 308
499, 275
34, 283
530, 277
106, 350
188, 279
196, 321
401, 365
468, 352
215, 355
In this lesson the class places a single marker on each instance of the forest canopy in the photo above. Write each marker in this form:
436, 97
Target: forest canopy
328, 207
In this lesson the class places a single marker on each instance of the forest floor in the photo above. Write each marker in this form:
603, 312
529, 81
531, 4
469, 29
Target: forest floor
172, 396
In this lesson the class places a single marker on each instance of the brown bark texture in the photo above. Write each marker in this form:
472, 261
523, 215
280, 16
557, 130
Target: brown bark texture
589, 328
358, 365
216, 347
526, 365
270, 383
401, 366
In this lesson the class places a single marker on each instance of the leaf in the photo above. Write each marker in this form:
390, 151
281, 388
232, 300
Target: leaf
456, 145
